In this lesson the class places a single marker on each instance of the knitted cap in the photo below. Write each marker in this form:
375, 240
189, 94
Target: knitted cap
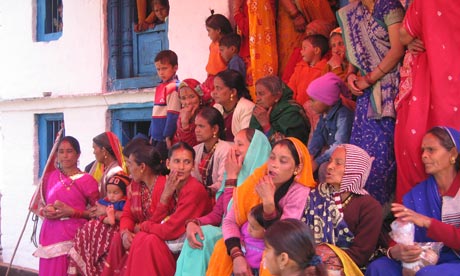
121, 180
327, 89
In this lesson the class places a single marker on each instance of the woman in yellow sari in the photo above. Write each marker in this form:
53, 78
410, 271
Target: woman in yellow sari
283, 183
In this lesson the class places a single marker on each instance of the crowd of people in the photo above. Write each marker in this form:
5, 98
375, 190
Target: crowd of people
291, 158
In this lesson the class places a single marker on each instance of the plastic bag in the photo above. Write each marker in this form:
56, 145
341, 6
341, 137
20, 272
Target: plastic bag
429, 256
402, 232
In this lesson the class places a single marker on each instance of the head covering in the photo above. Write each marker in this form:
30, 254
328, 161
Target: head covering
337, 30
319, 26
193, 84
98, 170
454, 135
119, 179
327, 89
305, 176
357, 168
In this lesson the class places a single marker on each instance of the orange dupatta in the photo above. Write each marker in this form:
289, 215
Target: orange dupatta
245, 197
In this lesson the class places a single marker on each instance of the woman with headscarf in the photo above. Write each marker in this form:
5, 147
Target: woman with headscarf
276, 113
342, 214
432, 206
191, 100
250, 151
281, 185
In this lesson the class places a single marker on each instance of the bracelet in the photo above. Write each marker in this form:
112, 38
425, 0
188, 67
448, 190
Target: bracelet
235, 253
368, 80
77, 213
388, 253
381, 70
230, 183
194, 220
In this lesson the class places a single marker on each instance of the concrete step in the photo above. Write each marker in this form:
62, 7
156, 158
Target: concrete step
17, 270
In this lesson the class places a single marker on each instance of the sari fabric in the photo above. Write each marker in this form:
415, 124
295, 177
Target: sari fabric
262, 42
287, 36
367, 42
433, 98
56, 236
195, 261
245, 198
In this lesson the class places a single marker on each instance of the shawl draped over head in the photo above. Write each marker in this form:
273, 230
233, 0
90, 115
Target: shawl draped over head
454, 135
256, 156
194, 85
357, 168
115, 144
245, 196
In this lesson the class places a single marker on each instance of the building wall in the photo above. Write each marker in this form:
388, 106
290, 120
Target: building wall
74, 69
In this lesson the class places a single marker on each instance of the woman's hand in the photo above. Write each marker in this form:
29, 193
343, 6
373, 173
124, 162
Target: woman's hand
49, 212
406, 214
186, 114
335, 60
172, 182
127, 239
262, 115
416, 46
352, 81
241, 267
192, 230
63, 210
97, 210
405, 253
233, 164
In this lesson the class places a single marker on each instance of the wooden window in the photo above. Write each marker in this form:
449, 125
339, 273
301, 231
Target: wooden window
131, 54
49, 20
48, 127
129, 120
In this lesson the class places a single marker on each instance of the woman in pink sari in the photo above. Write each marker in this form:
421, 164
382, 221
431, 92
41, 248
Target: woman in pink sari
67, 191
433, 97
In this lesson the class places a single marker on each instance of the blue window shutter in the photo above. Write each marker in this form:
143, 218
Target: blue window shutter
48, 127
42, 35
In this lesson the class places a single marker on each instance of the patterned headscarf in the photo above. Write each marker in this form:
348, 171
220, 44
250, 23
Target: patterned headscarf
358, 165
194, 85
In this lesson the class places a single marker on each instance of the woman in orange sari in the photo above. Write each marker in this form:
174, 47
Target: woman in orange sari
283, 183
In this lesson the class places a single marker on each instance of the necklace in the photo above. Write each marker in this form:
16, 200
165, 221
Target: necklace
67, 185
347, 200
229, 111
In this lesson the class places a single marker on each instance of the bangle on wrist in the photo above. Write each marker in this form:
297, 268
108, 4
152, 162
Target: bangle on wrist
236, 252
194, 220
230, 183
381, 70
77, 213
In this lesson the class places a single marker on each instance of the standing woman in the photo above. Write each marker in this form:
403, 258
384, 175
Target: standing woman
233, 101
282, 184
211, 152
190, 96
371, 35
68, 191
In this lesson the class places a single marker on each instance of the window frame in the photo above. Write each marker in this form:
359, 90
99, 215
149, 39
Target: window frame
41, 22
128, 112
45, 142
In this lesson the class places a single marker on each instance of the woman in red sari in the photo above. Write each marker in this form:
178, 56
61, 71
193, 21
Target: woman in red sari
433, 99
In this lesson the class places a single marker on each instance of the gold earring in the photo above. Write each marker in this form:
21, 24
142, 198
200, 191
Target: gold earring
452, 160
214, 135
231, 97
295, 172
105, 156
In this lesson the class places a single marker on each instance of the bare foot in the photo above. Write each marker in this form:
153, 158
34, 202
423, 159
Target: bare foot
110, 214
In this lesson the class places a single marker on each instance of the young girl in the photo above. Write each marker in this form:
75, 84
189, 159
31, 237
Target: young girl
116, 197
290, 250
159, 12
217, 26
254, 231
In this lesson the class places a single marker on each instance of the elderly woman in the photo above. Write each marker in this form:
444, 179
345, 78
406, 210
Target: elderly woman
250, 151
276, 114
190, 96
371, 35
233, 101
432, 206
342, 214
281, 185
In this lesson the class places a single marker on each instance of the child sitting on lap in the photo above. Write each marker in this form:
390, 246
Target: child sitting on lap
116, 197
